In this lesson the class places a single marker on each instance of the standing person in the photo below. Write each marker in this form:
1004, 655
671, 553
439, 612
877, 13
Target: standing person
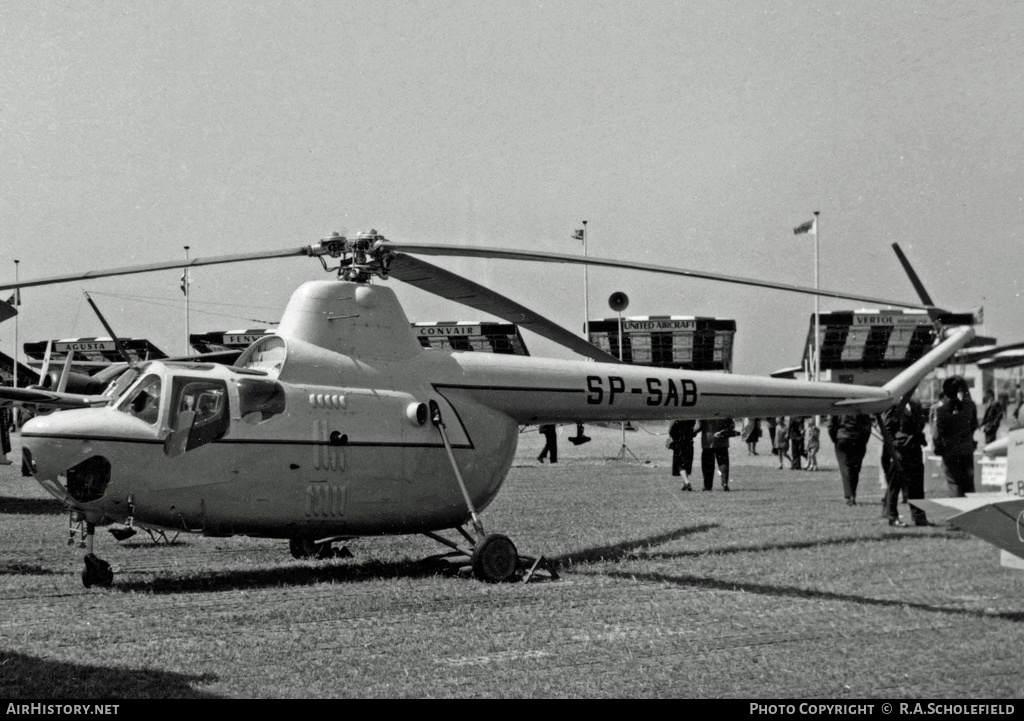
750, 434
992, 418
714, 442
771, 434
903, 432
812, 442
1019, 400
681, 435
956, 420
850, 434
550, 433
795, 432
781, 439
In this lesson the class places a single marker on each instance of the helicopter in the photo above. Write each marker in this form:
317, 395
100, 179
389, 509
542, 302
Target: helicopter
341, 425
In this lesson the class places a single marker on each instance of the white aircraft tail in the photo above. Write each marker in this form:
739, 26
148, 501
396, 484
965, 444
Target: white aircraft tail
909, 379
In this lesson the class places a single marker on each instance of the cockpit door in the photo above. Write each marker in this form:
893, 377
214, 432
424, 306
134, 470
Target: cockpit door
199, 414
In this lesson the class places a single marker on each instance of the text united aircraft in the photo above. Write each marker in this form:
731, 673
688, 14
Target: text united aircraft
341, 424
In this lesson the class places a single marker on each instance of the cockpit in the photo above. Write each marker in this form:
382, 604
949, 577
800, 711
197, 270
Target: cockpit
195, 400
144, 400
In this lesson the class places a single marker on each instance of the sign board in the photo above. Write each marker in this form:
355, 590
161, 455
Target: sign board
875, 339
223, 340
685, 342
471, 336
91, 354
1014, 484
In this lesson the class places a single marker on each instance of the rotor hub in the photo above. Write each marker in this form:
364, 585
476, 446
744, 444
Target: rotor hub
362, 257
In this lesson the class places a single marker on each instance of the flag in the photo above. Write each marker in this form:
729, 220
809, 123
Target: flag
15, 298
184, 281
578, 235
810, 227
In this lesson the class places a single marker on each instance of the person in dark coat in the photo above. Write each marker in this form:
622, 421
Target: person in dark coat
992, 418
771, 434
903, 433
956, 420
681, 435
550, 432
714, 442
850, 434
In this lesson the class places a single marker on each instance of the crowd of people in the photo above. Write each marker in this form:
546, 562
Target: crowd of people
952, 423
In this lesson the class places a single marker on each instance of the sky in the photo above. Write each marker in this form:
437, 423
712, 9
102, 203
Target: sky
687, 134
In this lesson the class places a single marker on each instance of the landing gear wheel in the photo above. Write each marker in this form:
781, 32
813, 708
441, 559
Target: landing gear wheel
97, 572
308, 548
495, 559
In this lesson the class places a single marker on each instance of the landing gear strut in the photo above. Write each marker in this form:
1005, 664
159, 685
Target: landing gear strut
493, 557
97, 572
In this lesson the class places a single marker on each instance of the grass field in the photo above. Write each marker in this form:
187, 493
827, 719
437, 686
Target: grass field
775, 590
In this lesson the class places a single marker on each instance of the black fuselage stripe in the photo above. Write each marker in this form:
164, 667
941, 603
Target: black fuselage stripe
778, 396
709, 394
251, 441
508, 388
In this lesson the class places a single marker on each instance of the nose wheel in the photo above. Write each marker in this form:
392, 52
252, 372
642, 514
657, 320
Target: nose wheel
97, 572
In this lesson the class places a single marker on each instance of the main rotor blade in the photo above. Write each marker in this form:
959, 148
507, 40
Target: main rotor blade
121, 350
509, 254
914, 280
449, 285
152, 267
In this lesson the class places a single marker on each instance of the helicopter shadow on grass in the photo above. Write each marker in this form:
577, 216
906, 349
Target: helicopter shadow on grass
627, 551
24, 569
779, 591
31, 678
307, 574
31, 506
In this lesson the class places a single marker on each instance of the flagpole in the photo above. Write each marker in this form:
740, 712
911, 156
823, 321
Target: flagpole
16, 410
817, 299
586, 289
188, 348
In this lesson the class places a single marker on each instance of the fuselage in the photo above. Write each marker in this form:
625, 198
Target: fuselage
324, 429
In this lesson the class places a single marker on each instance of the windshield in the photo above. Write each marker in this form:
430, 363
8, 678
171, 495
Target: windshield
120, 383
143, 401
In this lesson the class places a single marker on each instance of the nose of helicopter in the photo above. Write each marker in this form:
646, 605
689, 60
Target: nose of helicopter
52, 444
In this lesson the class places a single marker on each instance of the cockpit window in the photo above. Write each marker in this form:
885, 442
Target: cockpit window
144, 401
259, 399
208, 401
266, 354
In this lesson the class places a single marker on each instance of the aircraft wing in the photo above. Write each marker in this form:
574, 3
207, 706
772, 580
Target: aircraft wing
994, 517
49, 399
